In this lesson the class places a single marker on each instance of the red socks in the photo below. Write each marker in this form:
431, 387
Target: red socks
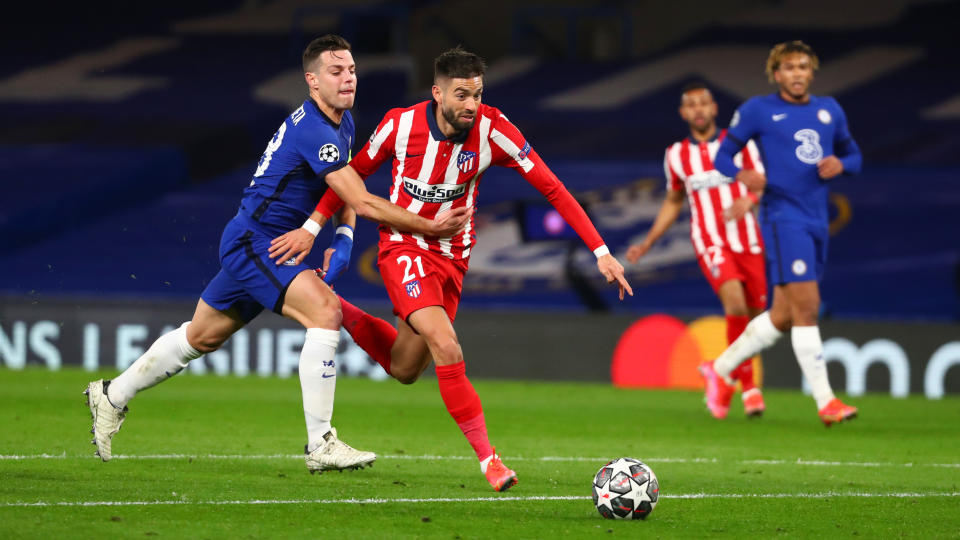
463, 404
744, 372
375, 336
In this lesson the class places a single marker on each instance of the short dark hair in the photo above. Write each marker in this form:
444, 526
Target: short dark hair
691, 86
458, 63
329, 42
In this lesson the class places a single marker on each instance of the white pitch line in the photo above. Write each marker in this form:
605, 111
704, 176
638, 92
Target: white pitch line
823, 495
429, 457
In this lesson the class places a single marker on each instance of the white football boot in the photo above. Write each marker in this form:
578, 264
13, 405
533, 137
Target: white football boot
336, 455
107, 419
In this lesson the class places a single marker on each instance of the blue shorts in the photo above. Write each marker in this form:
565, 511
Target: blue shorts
795, 251
249, 280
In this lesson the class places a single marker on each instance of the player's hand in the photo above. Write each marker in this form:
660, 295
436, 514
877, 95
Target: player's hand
336, 258
611, 269
829, 167
449, 223
636, 251
755, 181
738, 209
294, 244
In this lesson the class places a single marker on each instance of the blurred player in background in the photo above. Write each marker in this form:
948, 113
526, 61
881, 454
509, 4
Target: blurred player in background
439, 149
805, 142
724, 233
308, 153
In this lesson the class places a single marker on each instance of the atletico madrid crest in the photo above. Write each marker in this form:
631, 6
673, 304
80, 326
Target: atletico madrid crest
467, 161
413, 288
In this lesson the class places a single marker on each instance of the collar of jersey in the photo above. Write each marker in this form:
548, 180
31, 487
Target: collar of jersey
785, 102
693, 140
458, 137
336, 125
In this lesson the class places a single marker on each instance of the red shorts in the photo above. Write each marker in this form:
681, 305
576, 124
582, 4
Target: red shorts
416, 278
720, 265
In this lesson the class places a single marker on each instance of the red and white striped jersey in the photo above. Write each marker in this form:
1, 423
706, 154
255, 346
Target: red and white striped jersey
688, 165
433, 173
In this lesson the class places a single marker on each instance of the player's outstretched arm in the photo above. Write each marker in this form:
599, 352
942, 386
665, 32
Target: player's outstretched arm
298, 243
612, 270
669, 211
349, 186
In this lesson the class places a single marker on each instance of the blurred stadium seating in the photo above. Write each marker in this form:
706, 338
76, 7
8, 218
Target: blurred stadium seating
126, 143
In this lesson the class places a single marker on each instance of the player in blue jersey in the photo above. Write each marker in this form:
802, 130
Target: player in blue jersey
805, 143
308, 153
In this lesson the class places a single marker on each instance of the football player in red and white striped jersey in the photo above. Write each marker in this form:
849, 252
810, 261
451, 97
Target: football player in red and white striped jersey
439, 150
723, 230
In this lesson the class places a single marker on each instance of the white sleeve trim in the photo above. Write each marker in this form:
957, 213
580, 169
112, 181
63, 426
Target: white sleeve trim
601, 251
378, 138
510, 148
345, 230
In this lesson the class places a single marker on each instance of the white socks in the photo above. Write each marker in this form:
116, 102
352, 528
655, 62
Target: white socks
808, 348
759, 334
165, 358
318, 382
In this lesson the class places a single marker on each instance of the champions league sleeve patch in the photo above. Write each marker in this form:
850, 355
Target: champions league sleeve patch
329, 153
524, 151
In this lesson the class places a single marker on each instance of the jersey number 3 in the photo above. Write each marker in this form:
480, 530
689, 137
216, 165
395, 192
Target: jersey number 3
272, 147
809, 151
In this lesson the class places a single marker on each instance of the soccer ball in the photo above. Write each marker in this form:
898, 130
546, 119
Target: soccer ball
625, 488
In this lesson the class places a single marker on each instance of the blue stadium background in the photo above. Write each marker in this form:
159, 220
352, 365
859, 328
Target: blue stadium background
127, 139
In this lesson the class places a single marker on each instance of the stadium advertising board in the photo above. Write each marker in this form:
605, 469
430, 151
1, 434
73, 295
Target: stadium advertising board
657, 351
112, 335
660, 351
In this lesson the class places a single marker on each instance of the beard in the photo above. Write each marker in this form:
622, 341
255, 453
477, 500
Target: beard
455, 121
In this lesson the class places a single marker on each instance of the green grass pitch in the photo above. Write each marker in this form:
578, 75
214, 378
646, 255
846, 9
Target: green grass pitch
216, 457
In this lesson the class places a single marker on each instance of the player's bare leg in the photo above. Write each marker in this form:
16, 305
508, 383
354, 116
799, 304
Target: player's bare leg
781, 313
738, 315
804, 301
400, 350
166, 357
458, 394
410, 355
313, 304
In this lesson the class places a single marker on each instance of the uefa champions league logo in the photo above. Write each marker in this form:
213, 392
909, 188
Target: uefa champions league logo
329, 153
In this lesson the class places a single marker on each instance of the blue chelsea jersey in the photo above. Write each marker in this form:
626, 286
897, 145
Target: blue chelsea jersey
290, 177
792, 139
